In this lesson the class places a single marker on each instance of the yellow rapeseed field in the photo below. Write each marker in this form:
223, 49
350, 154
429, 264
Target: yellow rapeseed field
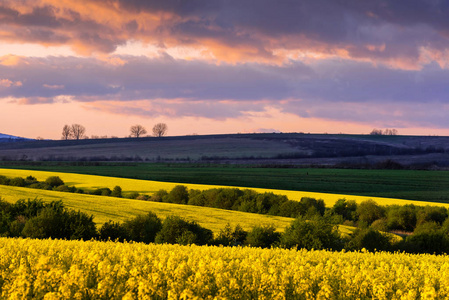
56, 269
149, 187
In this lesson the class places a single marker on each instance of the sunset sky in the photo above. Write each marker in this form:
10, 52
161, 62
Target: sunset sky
220, 66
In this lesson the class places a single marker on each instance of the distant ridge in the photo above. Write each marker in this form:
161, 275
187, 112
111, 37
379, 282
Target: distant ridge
11, 138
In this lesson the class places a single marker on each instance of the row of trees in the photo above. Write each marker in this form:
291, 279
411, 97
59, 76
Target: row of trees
74, 131
159, 130
384, 132
77, 131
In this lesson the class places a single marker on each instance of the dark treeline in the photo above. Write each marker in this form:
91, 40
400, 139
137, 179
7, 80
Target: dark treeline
425, 228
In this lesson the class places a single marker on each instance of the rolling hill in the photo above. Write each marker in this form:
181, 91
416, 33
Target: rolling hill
339, 150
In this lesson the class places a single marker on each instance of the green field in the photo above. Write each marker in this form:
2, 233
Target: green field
417, 185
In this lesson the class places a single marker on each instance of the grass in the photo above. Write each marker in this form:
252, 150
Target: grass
148, 187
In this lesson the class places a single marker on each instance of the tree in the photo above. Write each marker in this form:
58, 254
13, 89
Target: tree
376, 132
311, 234
137, 131
66, 132
78, 131
160, 129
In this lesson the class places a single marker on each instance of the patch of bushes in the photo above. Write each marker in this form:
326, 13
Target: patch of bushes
57, 184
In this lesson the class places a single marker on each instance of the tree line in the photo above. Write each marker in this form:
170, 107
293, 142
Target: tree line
425, 228
36, 219
77, 131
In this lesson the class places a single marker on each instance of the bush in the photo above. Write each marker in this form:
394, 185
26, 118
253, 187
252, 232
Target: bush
177, 230
402, 217
263, 236
311, 234
178, 194
143, 197
4, 180
17, 181
133, 195
117, 192
229, 237
143, 228
54, 181
102, 192
159, 196
434, 242
347, 209
369, 211
369, 239
113, 231
54, 221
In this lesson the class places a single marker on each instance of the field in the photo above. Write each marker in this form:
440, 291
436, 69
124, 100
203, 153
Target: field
56, 269
149, 187
402, 184
120, 209
267, 148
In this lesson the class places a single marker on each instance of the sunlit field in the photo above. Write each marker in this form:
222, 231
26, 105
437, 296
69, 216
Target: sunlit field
91, 182
56, 269
120, 209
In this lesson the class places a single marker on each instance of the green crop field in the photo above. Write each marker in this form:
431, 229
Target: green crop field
431, 186
149, 187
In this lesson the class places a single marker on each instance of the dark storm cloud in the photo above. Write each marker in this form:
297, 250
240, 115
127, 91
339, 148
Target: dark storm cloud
378, 30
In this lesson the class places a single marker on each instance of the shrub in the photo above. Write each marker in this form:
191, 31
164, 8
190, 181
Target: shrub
263, 236
143, 197
178, 194
311, 234
369, 239
133, 195
434, 242
54, 181
229, 237
143, 228
62, 188
54, 221
177, 230
113, 231
102, 192
4, 180
369, 211
159, 196
347, 209
117, 192
402, 217
17, 181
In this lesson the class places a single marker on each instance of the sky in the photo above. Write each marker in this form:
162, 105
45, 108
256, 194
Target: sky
211, 67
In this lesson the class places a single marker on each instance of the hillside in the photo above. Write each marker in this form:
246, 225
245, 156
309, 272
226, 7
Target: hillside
267, 149
11, 138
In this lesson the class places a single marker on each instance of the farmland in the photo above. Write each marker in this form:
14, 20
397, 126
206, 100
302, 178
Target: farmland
57, 269
120, 209
149, 187
402, 184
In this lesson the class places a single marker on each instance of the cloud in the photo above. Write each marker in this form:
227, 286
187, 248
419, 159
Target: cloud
389, 32
332, 89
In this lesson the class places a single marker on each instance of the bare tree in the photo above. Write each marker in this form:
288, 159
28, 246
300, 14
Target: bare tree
376, 132
66, 132
160, 129
78, 131
391, 132
137, 131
